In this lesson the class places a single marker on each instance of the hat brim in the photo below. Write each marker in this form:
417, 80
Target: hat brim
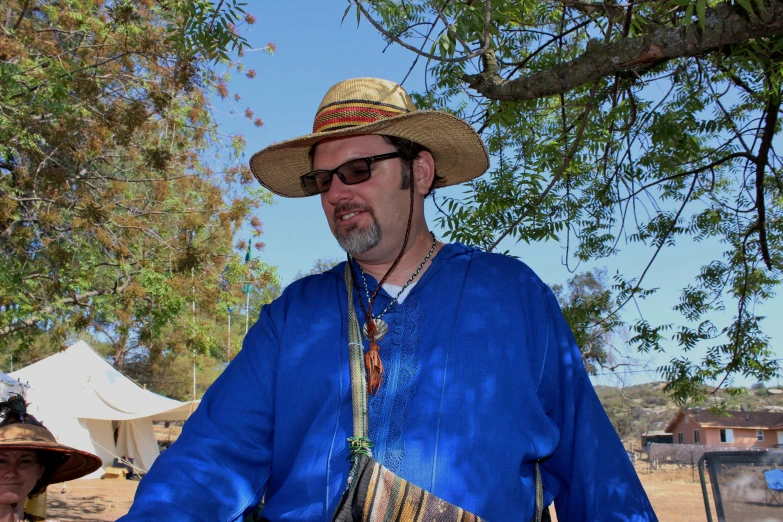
459, 152
77, 464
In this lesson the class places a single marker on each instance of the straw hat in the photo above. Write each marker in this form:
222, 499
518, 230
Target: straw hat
374, 106
29, 434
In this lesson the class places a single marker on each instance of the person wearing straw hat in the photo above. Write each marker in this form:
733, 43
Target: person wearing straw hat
418, 380
31, 459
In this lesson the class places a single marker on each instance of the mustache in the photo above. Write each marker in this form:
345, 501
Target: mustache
350, 207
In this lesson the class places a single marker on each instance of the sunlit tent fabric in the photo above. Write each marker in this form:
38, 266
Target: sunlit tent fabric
82, 399
9, 386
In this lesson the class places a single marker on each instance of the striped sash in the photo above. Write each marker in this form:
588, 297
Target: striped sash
378, 495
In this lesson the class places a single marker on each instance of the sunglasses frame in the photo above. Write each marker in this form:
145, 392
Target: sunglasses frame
370, 160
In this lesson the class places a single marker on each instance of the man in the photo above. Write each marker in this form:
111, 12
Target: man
473, 373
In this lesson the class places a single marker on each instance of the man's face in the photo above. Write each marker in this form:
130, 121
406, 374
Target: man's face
368, 217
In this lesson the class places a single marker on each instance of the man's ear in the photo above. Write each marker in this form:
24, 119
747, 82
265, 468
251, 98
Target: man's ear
423, 172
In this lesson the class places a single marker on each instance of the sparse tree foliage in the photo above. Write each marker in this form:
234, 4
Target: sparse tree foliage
586, 301
647, 123
320, 265
111, 220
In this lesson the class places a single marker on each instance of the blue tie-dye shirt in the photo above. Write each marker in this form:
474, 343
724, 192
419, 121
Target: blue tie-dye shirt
482, 378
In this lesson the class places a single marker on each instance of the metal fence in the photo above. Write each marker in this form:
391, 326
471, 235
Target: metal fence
685, 455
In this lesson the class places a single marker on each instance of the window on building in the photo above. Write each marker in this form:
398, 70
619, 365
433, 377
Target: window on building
727, 435
696, 437
680, 438
759, 435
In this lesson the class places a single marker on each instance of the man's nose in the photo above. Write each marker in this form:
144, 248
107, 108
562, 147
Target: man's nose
338, 191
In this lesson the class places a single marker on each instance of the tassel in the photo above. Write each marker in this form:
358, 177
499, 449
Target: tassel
372, 360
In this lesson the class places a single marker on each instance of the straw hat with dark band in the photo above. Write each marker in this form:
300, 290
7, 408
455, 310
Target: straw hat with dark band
373, 106
29, 434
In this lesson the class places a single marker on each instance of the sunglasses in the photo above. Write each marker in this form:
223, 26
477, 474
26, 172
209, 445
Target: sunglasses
350, 173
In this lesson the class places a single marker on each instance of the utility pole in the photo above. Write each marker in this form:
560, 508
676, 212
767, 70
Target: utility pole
247, 288
247, 308
230, 309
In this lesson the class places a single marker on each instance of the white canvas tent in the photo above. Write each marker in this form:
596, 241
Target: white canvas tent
82, 399
9, 386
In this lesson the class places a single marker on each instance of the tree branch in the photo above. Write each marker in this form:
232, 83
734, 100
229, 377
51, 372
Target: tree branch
698, 170
773, 106
449, 28
30, 321
566, 162
542, 47
69, 73
21, 15
8, 232
628, 18
478, 52
658, 248
593, 8
724, 26
215, 15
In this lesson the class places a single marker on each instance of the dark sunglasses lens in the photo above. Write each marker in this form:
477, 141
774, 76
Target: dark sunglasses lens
317, 182
354, 172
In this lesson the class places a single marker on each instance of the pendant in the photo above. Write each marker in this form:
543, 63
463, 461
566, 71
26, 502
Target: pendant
381, 328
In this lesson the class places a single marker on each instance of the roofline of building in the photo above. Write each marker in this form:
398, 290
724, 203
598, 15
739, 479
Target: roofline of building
723, 426
707, 424
670, 426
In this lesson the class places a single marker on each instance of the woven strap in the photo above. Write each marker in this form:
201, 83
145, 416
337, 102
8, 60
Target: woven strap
539, 494
360, 443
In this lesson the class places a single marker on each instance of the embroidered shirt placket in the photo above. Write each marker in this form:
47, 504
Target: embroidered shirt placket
388, 410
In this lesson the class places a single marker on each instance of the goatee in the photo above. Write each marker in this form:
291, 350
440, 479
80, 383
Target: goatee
356, 240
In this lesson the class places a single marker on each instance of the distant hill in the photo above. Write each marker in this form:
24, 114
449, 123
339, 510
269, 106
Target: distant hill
634, 410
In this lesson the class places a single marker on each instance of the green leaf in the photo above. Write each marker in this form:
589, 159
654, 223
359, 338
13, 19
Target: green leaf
746, 5
701, 12
445, 44
635, 25
347, 10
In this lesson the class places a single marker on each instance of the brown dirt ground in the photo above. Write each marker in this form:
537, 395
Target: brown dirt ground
92, 500
673, 493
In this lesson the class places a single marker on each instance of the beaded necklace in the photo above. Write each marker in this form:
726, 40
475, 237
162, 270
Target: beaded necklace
372, 358
381, 328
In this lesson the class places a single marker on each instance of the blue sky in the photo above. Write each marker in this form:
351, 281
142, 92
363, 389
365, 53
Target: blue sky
314, 51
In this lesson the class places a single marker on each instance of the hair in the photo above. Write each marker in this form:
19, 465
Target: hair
409, 151
16, 418
49, 462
